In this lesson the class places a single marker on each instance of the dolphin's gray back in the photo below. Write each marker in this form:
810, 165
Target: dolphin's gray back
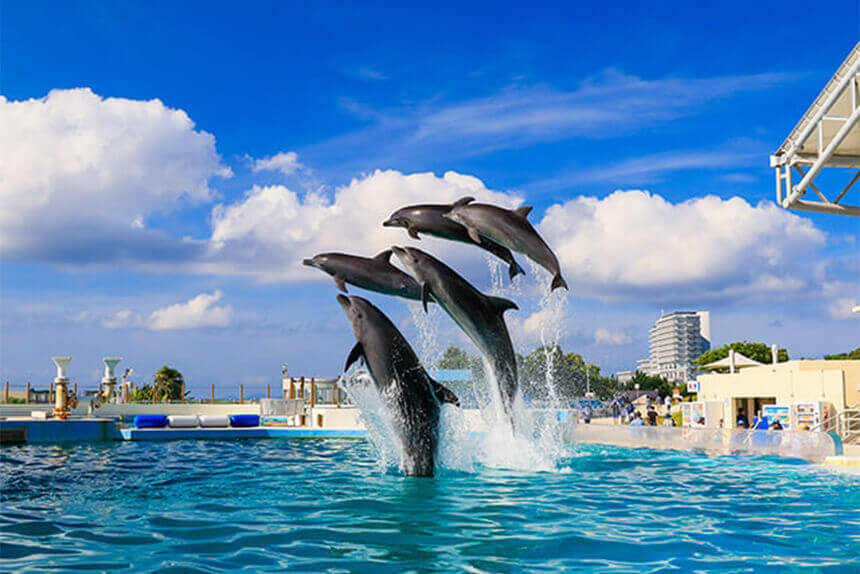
374, 275
482, 322
428, 219
510, 230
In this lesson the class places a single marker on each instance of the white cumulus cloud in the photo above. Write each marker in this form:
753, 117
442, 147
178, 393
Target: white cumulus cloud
200, 311
121, 318
79, 173
635, 242
270, 230
603, 336
284, 162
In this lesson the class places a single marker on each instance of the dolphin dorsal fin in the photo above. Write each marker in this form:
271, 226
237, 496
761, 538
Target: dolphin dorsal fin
443, 393
384, 257
463, 201
523, 210
501, 304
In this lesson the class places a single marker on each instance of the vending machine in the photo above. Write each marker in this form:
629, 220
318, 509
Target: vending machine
711, 411
811, 414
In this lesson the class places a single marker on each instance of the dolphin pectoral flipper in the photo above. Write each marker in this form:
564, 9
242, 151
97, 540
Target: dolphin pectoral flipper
474, 235
523, 210
384, 256
425, 295
501, 304
443, 393
340, 283
412, 233
515, 269
357, 353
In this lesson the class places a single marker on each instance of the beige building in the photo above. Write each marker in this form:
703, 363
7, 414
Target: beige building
834, 385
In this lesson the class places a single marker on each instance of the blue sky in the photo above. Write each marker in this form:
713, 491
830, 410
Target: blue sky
639, 132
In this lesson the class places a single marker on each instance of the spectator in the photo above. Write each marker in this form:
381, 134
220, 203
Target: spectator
668, 403
742, 420
587, 414
668, 421
637, 420
652, 416
616, 410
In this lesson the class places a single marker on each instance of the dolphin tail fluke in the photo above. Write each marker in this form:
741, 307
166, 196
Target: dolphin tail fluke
558, 281
514, 269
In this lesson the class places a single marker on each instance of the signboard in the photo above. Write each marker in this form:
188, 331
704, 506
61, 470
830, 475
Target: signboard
783, 413
694, 386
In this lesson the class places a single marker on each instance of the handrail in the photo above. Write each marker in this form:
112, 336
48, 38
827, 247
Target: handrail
852, 414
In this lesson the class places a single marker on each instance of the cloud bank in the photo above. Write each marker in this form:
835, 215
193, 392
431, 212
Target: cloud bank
79, 175
269, 231
200, 311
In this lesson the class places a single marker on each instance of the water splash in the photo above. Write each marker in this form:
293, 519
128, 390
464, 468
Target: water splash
482, 437
363, 393
429, 349
475, 438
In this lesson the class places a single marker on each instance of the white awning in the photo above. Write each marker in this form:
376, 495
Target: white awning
828, 135
740, 361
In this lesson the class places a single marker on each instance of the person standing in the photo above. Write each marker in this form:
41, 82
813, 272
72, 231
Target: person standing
652, 416
742, 420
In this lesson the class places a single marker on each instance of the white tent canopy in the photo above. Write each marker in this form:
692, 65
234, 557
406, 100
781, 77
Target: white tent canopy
734, 361
827, 136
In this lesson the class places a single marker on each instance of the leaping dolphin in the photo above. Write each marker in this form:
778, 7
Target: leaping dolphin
410, 395
480, 316
374, 274
510, 228
427, 219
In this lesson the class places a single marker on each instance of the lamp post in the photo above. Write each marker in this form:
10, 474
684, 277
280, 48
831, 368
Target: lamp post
61, 407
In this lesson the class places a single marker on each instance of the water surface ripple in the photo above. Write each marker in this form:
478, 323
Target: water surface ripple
196, 506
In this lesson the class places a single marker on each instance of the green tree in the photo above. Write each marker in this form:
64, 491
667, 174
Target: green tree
756, 351
851, 356
653, 383
570, 374
143, 393
167, 384
455, 358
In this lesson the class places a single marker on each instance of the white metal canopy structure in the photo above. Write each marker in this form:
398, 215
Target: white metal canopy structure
827, 136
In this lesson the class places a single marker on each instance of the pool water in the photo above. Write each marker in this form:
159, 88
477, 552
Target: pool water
198, 506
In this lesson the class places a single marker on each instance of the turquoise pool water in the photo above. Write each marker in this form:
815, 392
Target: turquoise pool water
314, 506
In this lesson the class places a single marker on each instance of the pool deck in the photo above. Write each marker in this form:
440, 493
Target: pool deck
22, 430
19, 430
238, 433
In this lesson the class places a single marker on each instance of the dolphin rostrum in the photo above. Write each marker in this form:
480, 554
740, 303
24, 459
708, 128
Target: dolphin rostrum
480, 316
374, 274
427, 219
410, 395
509, 228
